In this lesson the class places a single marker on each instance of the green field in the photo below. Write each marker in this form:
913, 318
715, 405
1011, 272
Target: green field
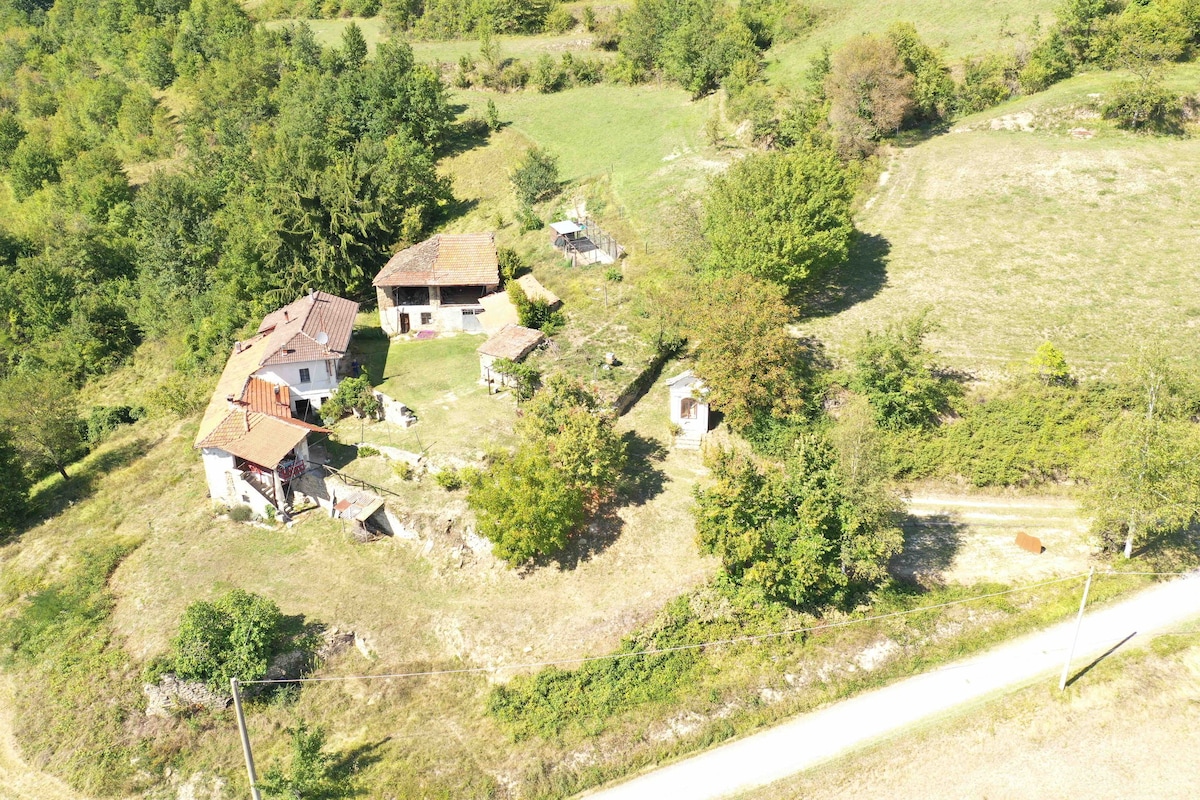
1017, 236
960, 29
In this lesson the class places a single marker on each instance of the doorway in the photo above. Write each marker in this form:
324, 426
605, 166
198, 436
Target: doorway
405, 325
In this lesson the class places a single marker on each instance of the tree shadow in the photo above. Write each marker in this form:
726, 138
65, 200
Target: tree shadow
603, 529
643, 480
465, 134
349, 763
930, 545
859, 278
57, 495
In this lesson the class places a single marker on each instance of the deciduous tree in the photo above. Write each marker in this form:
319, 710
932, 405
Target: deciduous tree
895, 372
1145, 476
232, 637
870, 93
40, 412
783, 217
744, 353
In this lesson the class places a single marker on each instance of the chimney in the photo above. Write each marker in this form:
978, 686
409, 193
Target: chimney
237, 347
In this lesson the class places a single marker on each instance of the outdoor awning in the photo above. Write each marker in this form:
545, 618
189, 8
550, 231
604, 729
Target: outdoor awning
367, 511
565, 227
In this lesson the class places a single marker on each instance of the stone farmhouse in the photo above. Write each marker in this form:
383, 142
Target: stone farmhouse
437, 285
254, 433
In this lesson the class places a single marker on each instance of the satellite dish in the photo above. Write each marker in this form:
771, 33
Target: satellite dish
322, 338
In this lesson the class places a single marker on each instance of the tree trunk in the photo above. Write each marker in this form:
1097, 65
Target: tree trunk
62, 471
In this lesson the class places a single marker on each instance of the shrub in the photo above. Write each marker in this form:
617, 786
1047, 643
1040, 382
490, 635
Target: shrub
1145, 107
511, 265
895, 372
240, 513
525, 377
492, 116
987, 82
404, 470
546, 76
449, 479
103, 420
366, 451
233, 637
589, 19
560, 20
353, 394
535, 176
534, 312
528, 219
1048, 64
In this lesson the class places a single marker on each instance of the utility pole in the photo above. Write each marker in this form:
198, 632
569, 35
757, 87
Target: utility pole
241, 720
1062, 682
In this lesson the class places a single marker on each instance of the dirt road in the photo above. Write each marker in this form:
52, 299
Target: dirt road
813, 738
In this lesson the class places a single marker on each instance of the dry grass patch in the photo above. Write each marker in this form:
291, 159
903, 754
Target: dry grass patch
1127, 730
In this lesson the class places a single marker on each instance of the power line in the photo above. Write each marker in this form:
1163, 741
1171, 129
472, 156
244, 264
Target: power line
675, 649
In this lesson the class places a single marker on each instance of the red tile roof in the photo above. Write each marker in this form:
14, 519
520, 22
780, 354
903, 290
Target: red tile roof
467, 259
512, 342
315, 327
260, 438
251, 417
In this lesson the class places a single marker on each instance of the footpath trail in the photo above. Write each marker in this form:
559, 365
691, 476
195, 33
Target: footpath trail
808, 740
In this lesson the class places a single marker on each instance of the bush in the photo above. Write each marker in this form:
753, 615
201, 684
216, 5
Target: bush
103, 420
404, 470
546, 76
240, 513
525, 377
895, 372
987, 82
233, 637
353, 394
366, 451
560, 20
527, 219
1148, 108
534, 312
449, 479
511, 265
535, 176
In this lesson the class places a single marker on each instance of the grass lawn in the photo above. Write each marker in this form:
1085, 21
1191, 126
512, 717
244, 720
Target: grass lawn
648, 141
1016, 236
439, 380
960, 29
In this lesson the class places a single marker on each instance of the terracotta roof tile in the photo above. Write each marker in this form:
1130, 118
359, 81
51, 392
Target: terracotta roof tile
512, 341
315, 327
467, 259
260, 438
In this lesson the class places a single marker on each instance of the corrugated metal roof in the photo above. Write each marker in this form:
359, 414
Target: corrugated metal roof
512, 342
467, 259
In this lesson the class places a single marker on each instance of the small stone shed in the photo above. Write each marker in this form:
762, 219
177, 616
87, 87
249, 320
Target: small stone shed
512, 342
689, 408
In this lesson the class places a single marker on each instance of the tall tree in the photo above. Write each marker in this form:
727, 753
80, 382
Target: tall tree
1145, 476
798, 531
744, 353
870, 93
39, 410
783, 217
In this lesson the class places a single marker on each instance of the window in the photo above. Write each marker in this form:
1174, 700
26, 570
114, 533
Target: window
462, 295
411, 295
687, 408
304, 376
426, 318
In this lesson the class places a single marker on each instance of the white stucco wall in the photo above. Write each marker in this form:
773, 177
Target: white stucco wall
689, 389
323, 380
